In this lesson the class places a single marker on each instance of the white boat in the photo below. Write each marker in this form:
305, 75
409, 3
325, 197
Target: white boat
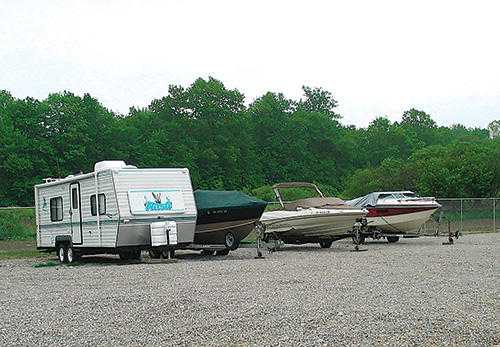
322, 220
394, 214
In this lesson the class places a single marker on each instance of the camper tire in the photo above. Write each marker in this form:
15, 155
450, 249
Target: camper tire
70, 254
61, 253
230, 241
325, 243
392, 239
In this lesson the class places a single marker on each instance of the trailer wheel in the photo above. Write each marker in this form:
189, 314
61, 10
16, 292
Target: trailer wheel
222, 252
230, 241
325, 243
392, 239
70, 254
61, 253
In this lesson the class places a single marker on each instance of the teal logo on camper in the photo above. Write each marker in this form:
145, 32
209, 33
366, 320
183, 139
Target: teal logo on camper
157, 204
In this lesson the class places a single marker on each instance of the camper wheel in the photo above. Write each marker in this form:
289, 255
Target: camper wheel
70, 254
61, 253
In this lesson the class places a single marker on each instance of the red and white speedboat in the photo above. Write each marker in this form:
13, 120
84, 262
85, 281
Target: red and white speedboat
393, 214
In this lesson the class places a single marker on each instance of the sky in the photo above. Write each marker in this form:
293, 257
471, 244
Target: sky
378, 58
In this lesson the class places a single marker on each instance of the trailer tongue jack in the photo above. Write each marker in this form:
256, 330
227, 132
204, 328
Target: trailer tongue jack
259, 231
451, 235
357, 235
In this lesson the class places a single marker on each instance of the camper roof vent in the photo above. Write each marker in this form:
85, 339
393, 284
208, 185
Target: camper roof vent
50, 179
109, 165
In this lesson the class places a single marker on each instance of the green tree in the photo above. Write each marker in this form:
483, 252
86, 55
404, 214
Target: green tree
494, 129
318, 100
207, 128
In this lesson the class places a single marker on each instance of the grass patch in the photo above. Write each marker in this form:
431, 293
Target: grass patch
17, 224
11, 249
251, 238
49, 263
20, 254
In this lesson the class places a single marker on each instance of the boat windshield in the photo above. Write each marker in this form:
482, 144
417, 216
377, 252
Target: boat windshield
290, 192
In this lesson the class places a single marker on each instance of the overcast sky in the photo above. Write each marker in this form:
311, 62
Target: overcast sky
376, 57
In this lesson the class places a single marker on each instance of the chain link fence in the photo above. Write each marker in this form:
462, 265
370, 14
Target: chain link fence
465, 215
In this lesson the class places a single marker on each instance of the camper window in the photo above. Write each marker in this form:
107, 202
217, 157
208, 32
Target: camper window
56, 209
74, 198
102, 205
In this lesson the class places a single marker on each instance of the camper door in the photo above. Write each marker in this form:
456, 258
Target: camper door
75, 213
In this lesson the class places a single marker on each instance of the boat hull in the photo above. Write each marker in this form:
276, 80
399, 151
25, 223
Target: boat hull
293, 227
399, 220
215, 233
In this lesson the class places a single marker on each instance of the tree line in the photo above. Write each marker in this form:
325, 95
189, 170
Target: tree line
228, 144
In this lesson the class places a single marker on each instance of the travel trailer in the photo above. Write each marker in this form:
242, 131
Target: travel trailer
117, 209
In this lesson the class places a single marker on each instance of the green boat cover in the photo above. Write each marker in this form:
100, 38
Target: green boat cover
209, 199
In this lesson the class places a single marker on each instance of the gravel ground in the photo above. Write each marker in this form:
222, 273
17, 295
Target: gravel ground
416, 291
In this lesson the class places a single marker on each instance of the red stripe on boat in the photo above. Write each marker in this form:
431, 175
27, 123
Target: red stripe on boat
392, 211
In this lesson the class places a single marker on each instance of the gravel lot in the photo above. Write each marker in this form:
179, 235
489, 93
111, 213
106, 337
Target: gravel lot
416, 291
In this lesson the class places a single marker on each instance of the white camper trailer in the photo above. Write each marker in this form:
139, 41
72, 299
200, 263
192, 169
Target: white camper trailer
117, 209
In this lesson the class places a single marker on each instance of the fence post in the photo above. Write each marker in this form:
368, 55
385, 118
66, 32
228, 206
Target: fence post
494, 215
461, 215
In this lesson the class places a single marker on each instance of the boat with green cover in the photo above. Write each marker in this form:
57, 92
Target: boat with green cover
225, 217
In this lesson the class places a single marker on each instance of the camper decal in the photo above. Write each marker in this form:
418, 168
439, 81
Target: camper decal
157, 204
156, 201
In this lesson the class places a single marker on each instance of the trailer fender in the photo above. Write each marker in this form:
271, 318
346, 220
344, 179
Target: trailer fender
66, 239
